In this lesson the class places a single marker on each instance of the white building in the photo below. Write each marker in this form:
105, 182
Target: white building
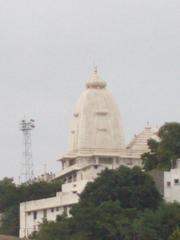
172, 184
96, 142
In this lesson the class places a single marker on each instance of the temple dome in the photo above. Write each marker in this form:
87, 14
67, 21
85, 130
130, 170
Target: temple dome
96, 126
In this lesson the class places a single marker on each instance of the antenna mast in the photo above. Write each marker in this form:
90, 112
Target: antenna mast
26, 127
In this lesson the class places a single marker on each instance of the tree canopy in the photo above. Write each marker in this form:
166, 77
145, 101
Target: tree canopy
111, 221
11, 195
163, 153
159, 224
108, 210
131, 187
175, 235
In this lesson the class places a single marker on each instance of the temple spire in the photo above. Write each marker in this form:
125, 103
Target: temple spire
95, 80
94, 76
95, 69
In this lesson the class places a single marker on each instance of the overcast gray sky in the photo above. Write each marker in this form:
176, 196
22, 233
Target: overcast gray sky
47, 49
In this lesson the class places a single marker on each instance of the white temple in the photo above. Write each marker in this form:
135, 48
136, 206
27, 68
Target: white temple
96, 142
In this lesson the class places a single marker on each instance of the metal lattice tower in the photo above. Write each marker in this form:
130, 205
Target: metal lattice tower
26, 128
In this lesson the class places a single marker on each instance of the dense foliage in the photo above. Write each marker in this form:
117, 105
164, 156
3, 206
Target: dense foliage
163, 153
120, 204
111, 222
175, 235
132, 187
11, 196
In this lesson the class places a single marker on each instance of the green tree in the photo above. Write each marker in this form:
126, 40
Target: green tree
159, 224
62, 229
11, 196
106, 221
132, 187
107, 209
8, 193
10, 221
163, 153
175, 235
110, 221
38, 190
